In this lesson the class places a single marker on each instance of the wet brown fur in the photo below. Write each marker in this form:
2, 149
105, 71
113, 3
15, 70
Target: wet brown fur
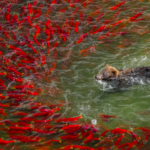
111, 73
107, 73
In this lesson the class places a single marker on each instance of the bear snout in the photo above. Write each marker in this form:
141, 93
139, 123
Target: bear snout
97, 77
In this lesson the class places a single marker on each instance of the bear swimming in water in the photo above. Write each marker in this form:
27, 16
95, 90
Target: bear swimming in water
123, 76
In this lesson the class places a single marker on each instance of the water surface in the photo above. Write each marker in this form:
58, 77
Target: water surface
90, 98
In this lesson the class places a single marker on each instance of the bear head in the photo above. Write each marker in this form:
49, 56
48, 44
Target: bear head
107, 73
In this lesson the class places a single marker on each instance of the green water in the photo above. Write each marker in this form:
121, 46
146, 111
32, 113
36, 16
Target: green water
75, 75
73, 82
131, 105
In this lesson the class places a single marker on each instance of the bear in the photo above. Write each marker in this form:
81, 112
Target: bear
110, 73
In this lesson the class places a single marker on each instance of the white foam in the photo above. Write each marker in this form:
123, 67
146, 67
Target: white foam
124, 84
104, 85
94, 121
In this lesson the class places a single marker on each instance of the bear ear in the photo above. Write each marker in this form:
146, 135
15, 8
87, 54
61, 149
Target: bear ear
107, 66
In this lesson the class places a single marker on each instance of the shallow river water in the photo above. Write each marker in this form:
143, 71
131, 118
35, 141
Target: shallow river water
51, 51
131, 104
90, 98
